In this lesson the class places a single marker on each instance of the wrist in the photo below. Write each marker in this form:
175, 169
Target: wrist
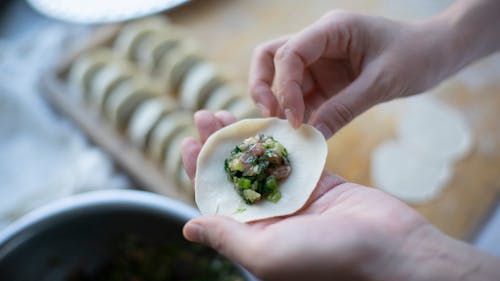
428, 254
470, 31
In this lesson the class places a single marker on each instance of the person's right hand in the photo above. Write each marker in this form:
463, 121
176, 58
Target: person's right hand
345, 232
344, 63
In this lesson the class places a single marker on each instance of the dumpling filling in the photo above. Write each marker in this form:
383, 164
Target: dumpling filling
256, 167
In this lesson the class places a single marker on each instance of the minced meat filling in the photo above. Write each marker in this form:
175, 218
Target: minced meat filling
256, 166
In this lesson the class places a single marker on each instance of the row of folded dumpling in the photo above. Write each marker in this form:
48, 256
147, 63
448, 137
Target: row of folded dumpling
149, 84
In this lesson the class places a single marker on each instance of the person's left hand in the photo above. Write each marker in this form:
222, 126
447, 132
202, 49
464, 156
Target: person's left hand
346, 230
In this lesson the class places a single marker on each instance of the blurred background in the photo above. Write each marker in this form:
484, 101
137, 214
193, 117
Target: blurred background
45, 155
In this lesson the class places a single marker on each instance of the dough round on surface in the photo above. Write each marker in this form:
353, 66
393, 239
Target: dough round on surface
434, 128
407, 174
215, 194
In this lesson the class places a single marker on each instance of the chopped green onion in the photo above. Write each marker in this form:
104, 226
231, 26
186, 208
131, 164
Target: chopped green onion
274, 197
240, 210
236, 165
251, 170
251, 196
244, 183
271, 183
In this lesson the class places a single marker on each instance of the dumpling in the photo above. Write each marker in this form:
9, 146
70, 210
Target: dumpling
215, 193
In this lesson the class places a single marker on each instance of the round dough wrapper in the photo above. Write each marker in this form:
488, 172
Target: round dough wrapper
145, 117
215, 194
407, 174
173, 152
434, 128
134, 33
125, 98
221, 97
84, 68
197, 85
167, 127
106, 80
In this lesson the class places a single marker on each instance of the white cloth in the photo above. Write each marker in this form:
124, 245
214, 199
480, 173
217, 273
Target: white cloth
43, 156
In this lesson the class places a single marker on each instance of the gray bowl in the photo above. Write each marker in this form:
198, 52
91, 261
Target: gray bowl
75, 233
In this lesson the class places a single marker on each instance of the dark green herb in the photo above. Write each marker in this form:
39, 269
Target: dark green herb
256, 167
135, 260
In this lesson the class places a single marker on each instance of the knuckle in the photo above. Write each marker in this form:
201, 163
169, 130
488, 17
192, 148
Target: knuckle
259, 49
255, 89
344, 113
341, 23
283, 53
262, 50
339, 16
337, 116
386, 84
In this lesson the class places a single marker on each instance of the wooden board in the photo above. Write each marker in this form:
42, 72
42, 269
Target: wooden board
145, 172
230, 30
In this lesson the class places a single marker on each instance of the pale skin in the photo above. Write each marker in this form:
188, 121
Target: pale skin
326, 75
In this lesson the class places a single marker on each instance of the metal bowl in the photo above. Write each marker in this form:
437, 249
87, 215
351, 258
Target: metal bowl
75, 233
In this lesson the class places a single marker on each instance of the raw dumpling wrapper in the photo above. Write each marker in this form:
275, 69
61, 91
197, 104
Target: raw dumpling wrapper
215, 194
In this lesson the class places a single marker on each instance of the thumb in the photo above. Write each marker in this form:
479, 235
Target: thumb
344, 106
225, 235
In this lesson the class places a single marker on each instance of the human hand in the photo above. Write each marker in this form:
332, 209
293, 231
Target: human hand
345, 231
345, 63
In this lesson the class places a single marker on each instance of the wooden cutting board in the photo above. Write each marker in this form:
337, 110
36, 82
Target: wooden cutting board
229, 30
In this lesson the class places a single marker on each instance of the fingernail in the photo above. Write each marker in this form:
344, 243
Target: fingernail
290, 116
263, 110
194, 232
324, 130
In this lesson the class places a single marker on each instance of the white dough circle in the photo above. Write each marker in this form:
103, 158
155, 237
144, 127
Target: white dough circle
432, 136
215, 194
407, 174
434, 128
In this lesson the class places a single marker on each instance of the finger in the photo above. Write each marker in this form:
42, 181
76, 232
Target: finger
225, 117
190, 151
341, 108
225, 235
262, 75
308, 86
207, 124
290, 61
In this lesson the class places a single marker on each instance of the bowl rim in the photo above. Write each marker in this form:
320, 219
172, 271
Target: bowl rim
103, 198
142, 200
